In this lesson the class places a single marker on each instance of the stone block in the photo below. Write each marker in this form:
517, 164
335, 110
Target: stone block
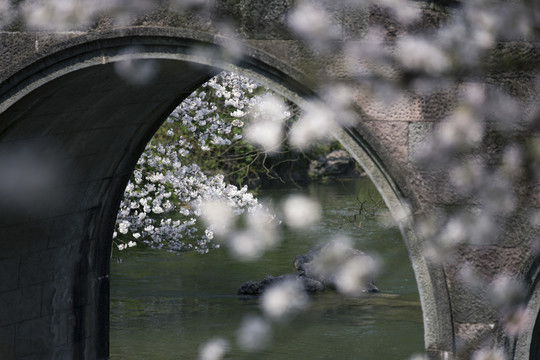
23, 239
92, 349
66, 293
82, 323
49, 264
403, 106
7, 342
295, 50
41, 335
470, 275
58, 353
354, 20
9, 274
20, 304
419, 132
473, 336
518, 231
13, 47
258, 20
389, 107
57, 296
91, 168
93, 196
68, 228
470, 301
432, 189
393, 139
68, 200
90, 142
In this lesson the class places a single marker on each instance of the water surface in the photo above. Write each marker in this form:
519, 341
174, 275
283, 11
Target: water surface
164, 306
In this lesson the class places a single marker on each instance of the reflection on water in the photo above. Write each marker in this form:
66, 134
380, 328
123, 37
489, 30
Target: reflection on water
165, 306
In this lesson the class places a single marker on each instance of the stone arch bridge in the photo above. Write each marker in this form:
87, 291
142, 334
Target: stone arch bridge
71, 130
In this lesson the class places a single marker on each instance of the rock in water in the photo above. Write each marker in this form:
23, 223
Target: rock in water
316, 270
338, 163
256, 288
323, 262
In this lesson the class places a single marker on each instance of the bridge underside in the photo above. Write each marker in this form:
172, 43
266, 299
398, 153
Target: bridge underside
66, 153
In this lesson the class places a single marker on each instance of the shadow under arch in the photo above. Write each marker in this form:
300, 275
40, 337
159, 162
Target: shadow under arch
96, 154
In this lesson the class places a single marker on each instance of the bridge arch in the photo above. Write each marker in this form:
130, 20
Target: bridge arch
53, 112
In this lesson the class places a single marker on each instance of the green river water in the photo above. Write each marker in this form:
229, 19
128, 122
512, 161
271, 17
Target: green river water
164, 306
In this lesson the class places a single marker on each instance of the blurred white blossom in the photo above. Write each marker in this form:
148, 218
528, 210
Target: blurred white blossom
29, 173
507, 291
214, 349
6, 14
218, 215
313, 23
300, 211
419, 54
266, 123
76, 14
489, 354
516, 321
267, 134
404, 11
134, 70
349, 270
340, 99
259, 235
284, 299
355, 273
461, 129
231, 47
317, 123
254, 334
61, 14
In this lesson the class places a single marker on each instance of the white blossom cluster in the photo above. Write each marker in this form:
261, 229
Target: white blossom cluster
209, 125
167, 194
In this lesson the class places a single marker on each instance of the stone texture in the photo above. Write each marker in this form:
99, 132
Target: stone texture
19, 305
22, 239
419, 132
68, 227
90, 126
81, 319
393, 139
43, 266
470, 275
9, 279
7, 342
41, 335
473, 336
